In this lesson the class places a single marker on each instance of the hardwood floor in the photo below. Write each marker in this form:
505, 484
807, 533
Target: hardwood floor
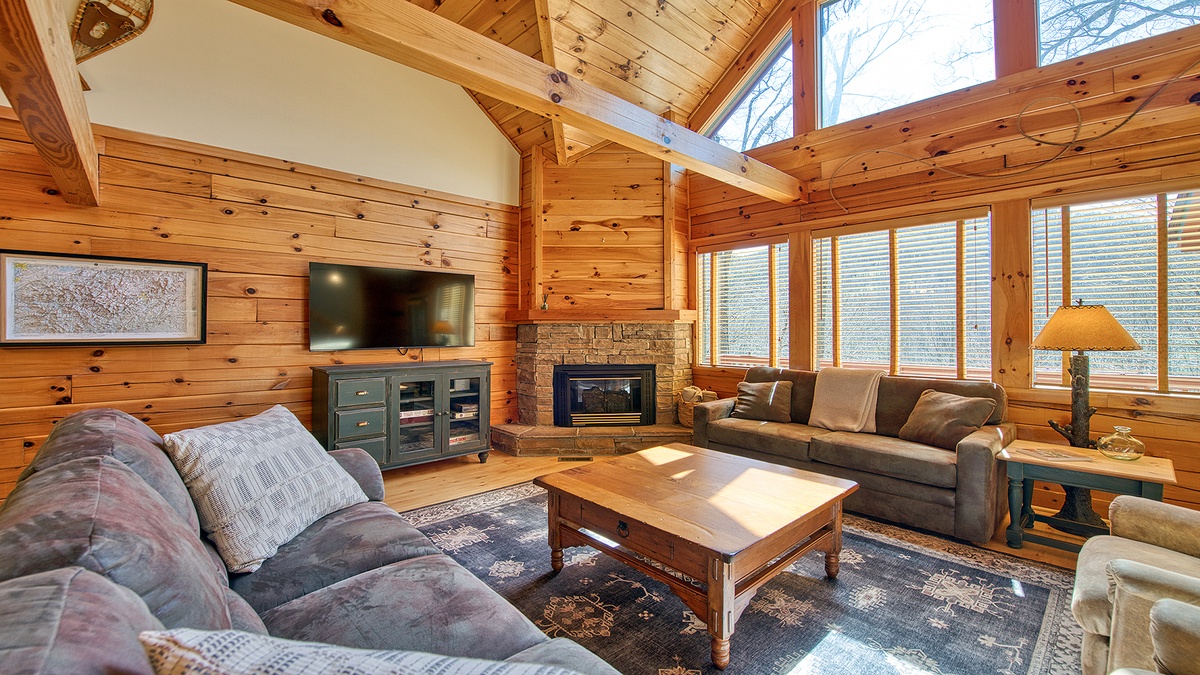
426, 484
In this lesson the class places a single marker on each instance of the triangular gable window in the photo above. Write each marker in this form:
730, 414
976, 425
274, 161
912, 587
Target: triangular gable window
763, 114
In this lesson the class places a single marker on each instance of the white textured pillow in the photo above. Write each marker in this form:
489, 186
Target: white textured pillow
259, 482
230, 652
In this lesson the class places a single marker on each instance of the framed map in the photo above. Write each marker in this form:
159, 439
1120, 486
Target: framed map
63, 299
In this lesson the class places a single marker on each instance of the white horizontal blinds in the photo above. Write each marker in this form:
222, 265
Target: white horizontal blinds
782, 339
977, 298
1114, 251
741, 307
1047, 288
864, 300
704, 299
823, 311
926, 298
1183, 291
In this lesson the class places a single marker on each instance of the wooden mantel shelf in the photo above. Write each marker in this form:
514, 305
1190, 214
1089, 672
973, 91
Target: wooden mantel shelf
599, 315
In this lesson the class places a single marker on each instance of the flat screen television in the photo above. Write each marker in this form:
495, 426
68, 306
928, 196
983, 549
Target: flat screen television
354, 307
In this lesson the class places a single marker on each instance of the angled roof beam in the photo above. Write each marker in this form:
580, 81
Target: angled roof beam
407, 34
38, 75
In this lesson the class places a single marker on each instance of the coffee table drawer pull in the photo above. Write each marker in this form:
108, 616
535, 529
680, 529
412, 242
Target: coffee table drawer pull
622, 528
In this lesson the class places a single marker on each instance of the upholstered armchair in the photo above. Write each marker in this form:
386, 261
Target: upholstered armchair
1152, 553
1175, 634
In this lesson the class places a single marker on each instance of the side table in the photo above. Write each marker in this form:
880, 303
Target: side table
1144, 477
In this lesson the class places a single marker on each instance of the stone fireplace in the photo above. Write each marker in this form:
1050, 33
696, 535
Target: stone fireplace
604, 395
665, 346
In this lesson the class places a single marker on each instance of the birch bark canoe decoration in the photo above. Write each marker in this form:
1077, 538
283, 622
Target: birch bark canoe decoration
101, 25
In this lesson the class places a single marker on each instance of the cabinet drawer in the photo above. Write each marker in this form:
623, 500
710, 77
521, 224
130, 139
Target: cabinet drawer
376, 447
365, 391
619, 528
359, 423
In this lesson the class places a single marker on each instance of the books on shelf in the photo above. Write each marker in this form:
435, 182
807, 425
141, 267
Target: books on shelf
463, 438
415, 415
465, 415
464, 407
1054, 455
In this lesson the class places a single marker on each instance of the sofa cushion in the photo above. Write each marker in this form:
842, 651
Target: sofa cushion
565, 653
259, 482
336, 547
767, 401
242, 616
1089, 601
804, 382
194, 651
898, 396
886, 456
112, 433
789, 440
70, 620
97, 513
429, 603
942, 420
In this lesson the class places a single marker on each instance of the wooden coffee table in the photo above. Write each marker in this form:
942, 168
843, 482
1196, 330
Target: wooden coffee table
712, 526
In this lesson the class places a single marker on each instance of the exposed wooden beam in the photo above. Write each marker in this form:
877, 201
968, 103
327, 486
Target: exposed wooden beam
38, 75
407, 34
545, 36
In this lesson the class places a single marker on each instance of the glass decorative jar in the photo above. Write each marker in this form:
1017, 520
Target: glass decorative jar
1120, 445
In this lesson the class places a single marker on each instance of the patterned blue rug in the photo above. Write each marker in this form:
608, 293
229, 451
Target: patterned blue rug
903, 603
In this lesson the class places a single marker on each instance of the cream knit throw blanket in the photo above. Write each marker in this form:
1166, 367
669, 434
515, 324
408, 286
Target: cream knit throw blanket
844, 399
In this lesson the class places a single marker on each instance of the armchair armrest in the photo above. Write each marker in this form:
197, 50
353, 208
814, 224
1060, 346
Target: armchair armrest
1134, 588
1152, 522
363, 468
1175, 632
980, 495
704, 413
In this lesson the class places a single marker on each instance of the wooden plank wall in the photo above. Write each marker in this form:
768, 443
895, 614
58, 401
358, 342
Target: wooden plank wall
257, 222
889, 165
600, 225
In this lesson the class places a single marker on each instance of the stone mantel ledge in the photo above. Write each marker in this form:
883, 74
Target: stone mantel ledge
601, 315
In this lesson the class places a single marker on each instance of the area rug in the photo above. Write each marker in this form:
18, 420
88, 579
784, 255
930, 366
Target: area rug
903, 603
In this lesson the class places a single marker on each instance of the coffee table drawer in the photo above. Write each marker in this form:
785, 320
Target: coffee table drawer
620, 528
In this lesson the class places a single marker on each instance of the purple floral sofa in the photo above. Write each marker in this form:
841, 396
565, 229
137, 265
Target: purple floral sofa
100, 541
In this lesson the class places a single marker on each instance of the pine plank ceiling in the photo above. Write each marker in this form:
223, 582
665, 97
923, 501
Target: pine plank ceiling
662, 55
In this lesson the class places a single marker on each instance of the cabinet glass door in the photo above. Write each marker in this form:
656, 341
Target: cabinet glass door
466, 408
414, 415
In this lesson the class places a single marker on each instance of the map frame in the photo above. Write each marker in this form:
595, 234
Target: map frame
186, 300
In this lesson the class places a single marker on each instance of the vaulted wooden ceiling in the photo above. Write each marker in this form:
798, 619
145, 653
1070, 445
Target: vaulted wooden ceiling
662, 55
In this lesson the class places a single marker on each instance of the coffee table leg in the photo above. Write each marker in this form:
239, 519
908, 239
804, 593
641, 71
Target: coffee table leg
721, 604
834, 552
556, 554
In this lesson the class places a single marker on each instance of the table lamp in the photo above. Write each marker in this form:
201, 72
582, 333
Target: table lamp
1081, 328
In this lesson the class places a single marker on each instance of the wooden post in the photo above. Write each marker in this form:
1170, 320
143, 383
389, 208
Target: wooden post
1012, 295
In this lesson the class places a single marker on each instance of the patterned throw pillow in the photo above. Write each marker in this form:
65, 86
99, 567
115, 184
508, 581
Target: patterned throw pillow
195, 651
259, 482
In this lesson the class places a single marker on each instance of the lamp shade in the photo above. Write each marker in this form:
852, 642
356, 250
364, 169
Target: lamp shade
1085, 328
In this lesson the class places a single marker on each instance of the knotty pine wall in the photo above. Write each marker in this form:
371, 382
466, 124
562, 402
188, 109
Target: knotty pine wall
974, 131
608, 231
257, 222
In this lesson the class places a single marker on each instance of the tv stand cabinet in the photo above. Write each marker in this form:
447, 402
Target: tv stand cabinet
407, 413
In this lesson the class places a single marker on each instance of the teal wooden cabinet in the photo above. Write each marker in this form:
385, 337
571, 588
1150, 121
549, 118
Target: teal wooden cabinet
404, 413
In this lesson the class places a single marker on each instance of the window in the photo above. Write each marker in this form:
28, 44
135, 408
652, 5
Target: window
1140, 258
764, 113
912, 300
743, 298
879, 54
1071, 28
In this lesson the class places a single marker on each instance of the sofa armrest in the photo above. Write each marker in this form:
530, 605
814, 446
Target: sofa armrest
363, 468
706, 412
1175, 631
979, 491
1133, 589
1152, 522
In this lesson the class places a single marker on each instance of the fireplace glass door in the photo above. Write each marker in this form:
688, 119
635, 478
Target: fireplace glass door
593, 395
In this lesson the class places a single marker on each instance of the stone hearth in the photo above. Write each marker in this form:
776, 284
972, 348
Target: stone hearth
541, 346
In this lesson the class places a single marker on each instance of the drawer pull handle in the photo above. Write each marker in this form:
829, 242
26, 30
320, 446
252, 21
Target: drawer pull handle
362, 424
622, 528
361, 393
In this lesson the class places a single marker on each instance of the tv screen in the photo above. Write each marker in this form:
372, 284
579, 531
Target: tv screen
353, 307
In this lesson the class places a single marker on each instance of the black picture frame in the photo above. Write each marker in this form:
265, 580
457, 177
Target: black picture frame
100, 300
